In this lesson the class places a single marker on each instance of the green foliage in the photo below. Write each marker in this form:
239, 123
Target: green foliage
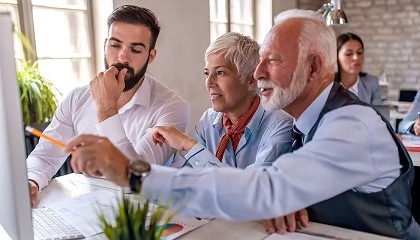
25, 43
132, 222
37, 94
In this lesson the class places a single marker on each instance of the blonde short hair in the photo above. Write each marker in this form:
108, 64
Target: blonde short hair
240, 50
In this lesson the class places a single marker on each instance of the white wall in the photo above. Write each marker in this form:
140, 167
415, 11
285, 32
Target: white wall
101, 10
184, 37
264, 18
281, 5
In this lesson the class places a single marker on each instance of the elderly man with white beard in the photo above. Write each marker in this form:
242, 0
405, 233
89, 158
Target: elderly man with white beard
348, 168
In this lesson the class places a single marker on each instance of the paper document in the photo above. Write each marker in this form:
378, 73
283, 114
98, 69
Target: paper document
95, 181
179, 226
83, 211
295, 236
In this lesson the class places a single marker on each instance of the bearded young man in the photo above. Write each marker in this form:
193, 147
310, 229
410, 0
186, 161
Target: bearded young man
348, 167
122, 103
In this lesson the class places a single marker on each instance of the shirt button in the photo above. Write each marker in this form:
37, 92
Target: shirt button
197, 163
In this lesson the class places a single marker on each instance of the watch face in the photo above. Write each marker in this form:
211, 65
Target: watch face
138, 167
137, 170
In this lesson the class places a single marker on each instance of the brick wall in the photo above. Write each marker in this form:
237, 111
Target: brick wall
310, 4
390, 30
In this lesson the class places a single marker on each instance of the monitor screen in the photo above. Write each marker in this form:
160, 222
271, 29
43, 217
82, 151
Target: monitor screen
15, 212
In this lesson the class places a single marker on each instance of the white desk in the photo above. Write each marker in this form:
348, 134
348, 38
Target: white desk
398, 110
73, 185
415, 156
3, 234
394, 114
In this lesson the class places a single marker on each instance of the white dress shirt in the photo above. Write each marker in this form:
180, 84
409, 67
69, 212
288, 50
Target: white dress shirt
130, 130
355, 87
351, 149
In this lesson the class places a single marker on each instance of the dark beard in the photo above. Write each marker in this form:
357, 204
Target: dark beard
131, 78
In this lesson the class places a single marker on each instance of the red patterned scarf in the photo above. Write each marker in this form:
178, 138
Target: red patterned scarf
234, 131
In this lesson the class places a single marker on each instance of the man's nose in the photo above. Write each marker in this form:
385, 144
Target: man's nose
260, 71
123, 55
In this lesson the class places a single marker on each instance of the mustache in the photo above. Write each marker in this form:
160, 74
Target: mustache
264, 83
120, 66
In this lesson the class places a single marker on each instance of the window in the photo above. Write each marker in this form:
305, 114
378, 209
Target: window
60, 32
232, 16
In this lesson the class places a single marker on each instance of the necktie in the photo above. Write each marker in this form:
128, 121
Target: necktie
297, 138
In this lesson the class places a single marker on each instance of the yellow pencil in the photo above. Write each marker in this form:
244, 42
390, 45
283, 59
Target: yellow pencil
40, 134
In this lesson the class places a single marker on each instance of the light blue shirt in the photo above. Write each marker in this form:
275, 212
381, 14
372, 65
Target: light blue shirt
351, 149
267, 136
411, 117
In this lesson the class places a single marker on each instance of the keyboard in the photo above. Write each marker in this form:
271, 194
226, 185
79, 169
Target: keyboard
49, 225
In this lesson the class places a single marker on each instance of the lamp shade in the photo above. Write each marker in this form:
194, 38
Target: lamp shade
333, 14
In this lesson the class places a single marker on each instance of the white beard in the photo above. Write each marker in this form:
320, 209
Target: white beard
283, 97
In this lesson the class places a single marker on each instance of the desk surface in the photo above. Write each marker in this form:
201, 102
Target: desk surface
73, 185
415, 156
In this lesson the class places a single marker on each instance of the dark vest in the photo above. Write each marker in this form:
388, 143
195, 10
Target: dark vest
386, 212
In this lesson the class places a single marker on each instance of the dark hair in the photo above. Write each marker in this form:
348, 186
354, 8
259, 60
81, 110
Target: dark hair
341, 40
137, 15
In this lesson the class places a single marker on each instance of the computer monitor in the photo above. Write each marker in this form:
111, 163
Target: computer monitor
15, 211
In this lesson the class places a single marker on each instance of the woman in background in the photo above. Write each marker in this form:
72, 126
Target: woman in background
350, 57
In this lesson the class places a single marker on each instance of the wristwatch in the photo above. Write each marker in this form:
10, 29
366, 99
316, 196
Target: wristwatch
136, 172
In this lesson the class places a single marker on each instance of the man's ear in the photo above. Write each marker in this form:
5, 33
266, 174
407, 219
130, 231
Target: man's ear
252, 83
152, 55
315, 66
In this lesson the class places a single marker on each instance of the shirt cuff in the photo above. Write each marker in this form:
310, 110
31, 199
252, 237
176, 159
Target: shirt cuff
111, 128
193, 160
194, 150
158, 182
41, 183
411, 129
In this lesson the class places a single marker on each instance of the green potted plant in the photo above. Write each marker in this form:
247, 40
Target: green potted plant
37, 94
134, 220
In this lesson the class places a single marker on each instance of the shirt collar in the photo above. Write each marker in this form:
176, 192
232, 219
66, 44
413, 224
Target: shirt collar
308, 118
141, 96
355, 87
253, 123
256, 119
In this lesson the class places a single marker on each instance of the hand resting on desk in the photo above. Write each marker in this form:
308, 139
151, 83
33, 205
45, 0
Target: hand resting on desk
288, 223
33, 191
